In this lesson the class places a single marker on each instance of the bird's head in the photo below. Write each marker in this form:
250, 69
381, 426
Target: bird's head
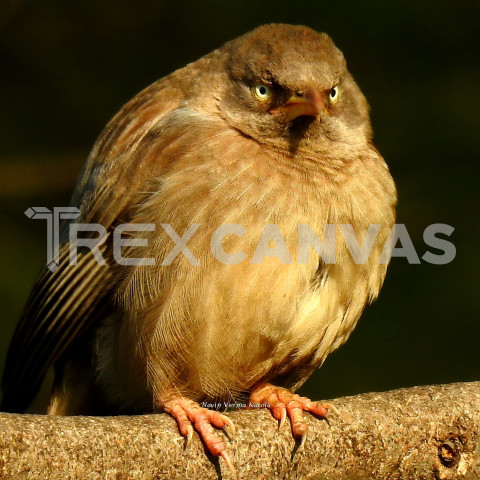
288, 86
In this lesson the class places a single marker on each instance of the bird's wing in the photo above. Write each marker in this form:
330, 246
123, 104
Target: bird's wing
66, 303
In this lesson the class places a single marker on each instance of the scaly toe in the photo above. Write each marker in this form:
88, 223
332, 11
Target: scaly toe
295, 412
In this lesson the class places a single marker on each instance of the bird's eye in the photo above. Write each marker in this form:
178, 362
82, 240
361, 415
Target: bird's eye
262, 92
333, 95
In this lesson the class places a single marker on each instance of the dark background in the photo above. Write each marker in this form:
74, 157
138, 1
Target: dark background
66, 67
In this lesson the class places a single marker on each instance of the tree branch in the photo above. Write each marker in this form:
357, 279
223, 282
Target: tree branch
417, 433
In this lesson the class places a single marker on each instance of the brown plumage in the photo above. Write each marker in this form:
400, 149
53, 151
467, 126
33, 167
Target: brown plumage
269, 129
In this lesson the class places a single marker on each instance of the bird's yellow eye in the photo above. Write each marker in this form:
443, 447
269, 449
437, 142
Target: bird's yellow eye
333, 95
262, 92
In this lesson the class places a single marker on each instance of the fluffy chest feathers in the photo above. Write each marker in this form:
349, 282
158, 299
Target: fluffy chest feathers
206, 326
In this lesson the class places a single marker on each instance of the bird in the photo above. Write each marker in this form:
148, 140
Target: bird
231, 157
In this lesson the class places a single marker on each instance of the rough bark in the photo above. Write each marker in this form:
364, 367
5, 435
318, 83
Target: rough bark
418, 433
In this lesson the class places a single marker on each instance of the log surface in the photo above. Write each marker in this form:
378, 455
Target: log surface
422, 433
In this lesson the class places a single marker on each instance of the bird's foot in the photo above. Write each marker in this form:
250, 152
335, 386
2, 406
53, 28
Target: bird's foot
282, 403
190, 416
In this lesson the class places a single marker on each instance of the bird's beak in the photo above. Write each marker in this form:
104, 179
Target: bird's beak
309, 103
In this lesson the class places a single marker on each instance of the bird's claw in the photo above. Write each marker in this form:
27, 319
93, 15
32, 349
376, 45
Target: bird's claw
303, 438
190, 416
283, 403
282, 418
189, 435
229, 463
332, 407
229, 424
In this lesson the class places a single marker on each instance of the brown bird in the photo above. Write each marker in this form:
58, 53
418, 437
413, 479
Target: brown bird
266, 134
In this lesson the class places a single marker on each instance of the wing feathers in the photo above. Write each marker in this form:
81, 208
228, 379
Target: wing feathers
62, 307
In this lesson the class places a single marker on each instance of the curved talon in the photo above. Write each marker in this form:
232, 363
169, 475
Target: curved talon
189, 435
229, 463
229, 424
303, 438
282, 418
332, 407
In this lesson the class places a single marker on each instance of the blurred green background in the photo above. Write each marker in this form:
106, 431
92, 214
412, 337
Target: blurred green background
66, 67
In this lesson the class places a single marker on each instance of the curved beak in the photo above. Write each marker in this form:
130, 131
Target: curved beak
309, 103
